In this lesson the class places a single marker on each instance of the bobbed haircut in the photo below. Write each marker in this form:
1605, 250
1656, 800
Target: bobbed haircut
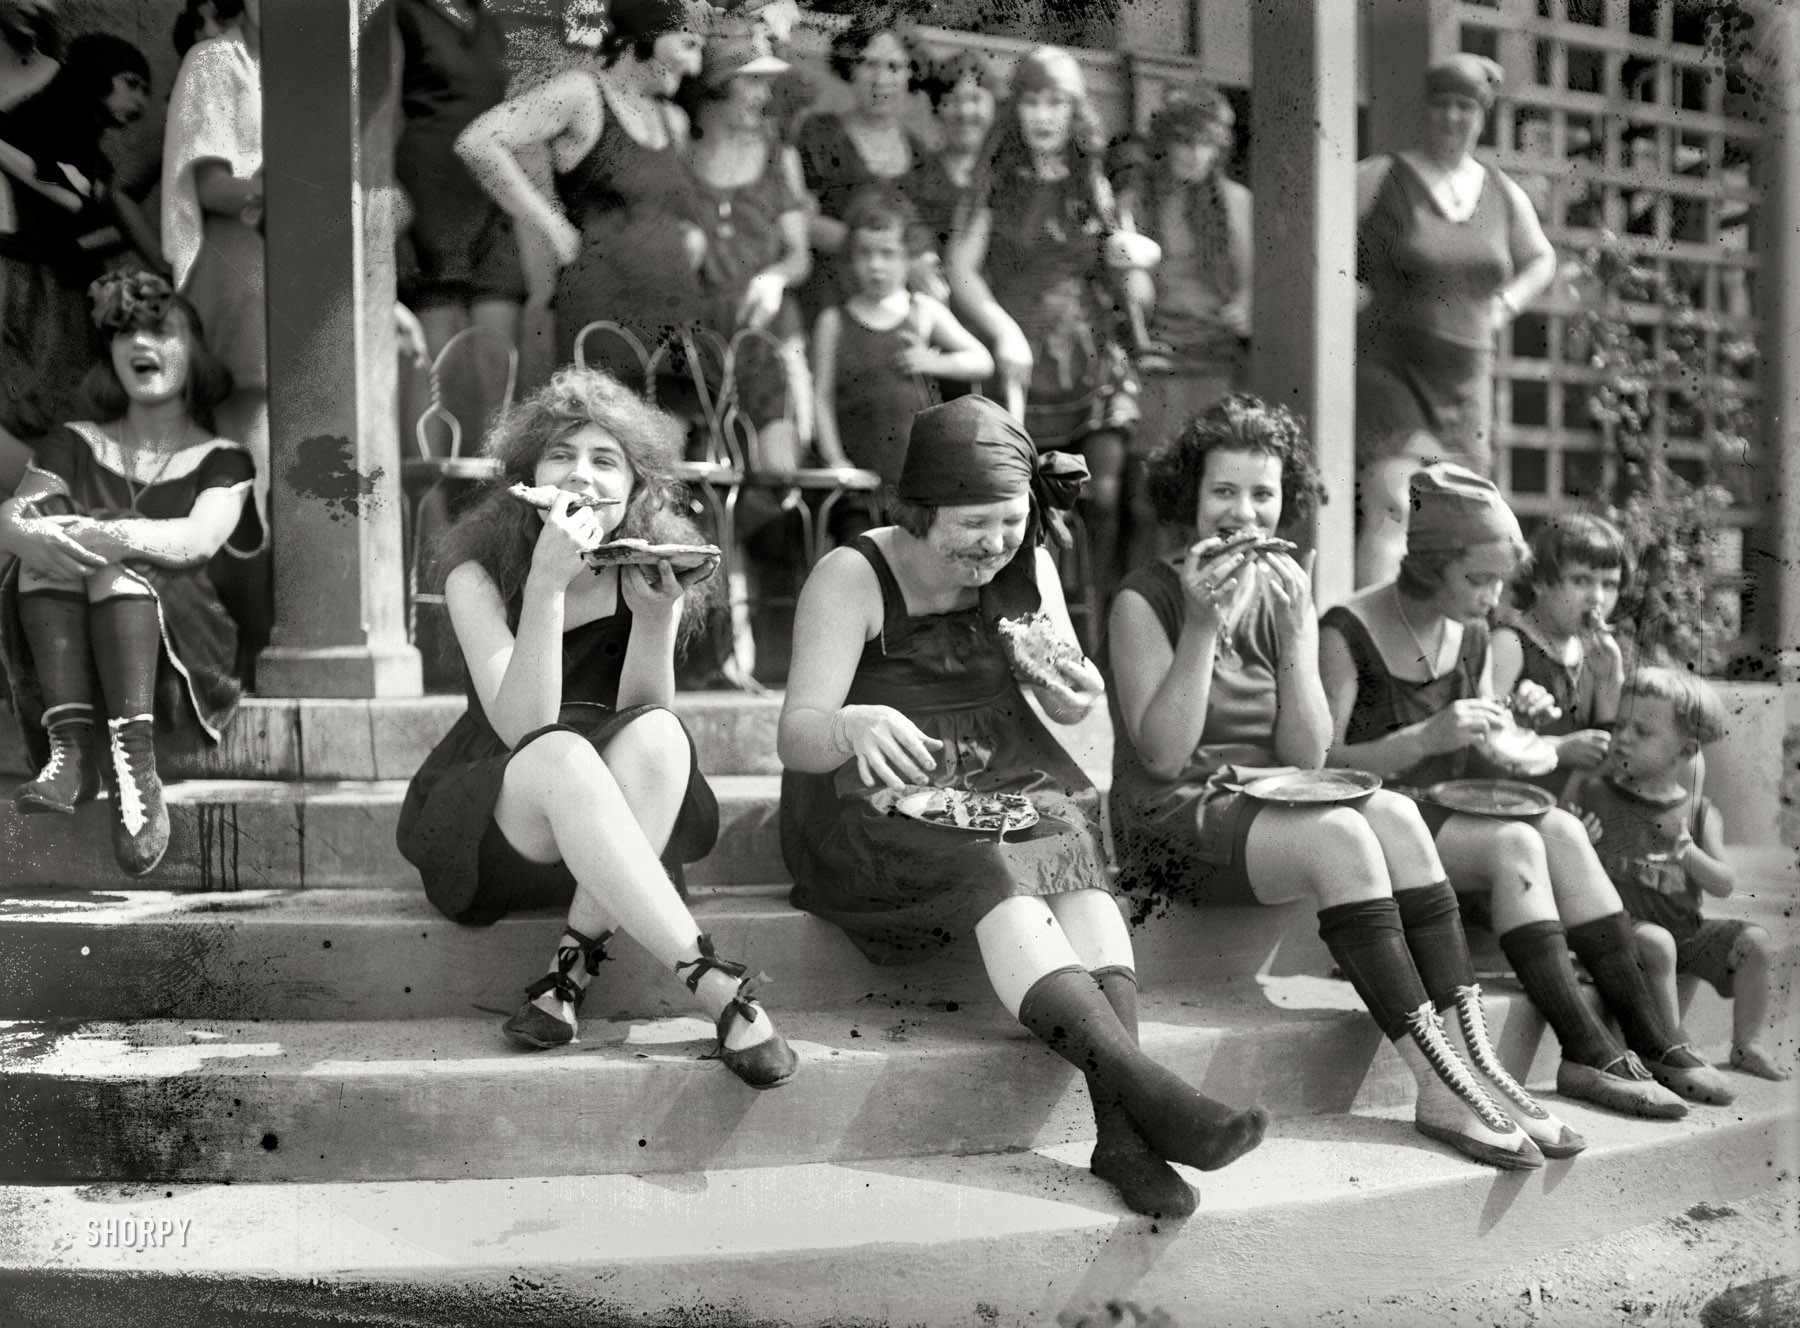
1698, 711
947, 71
1573, 539
103, 399
1240, 422
499, 532
881, 207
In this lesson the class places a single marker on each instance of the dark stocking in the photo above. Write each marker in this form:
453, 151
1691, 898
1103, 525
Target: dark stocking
1066, 1009
1369, 944
1606, 946
1539, 954
127, 649
56, 628
1122, 1156
1434, 934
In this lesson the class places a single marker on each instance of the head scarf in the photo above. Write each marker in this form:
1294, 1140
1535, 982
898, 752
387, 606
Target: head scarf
1467, 76
970, 451
1455, 509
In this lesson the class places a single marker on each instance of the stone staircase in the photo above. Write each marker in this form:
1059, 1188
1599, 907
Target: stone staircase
277, 1058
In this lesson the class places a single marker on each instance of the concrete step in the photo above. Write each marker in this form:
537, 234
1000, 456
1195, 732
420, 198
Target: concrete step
387, 953
240, 834
412, 1098
287, 738
1286, 1234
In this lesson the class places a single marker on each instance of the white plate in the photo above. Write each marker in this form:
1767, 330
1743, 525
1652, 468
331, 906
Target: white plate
1001, 813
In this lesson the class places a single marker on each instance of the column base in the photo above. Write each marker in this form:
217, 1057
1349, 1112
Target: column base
339, 671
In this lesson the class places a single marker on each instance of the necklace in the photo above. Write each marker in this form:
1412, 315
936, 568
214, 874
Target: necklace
1429, 658
128, 455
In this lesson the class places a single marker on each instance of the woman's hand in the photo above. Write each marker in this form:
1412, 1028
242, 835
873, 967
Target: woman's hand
1012, 356
1290, 586
889, 748
1589, 821
565, 239
1211, 584
1078, 688
1533, 703
566, 535
762, 299
650, 591
45, 547
1461, 723
1583, 750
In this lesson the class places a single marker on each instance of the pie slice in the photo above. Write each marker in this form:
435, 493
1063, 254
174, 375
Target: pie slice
1037, 649
1249, 538
544, 496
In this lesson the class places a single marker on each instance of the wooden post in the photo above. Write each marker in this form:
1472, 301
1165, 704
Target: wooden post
1303, 175
1772, 549
335, 500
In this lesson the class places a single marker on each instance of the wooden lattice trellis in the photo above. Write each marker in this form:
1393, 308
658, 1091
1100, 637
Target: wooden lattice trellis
1617, 117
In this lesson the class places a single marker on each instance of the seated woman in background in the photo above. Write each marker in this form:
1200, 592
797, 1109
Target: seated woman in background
568, 776
900, 680
111, 599
1214, 662
1409, 678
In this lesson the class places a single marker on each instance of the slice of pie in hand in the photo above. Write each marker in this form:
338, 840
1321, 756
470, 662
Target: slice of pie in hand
1037, 650
544, 496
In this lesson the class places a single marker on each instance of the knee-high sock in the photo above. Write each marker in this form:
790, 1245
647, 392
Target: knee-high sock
1122, 1156
1434, 934
1369, 944
127, 637
1067, 1010
55, 623
1539, 954
1606, 946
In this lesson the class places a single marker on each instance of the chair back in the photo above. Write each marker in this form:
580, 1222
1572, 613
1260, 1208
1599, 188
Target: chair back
439, 414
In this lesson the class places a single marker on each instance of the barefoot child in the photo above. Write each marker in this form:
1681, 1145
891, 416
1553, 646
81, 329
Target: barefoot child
1555, 634
876, 355
1663, 847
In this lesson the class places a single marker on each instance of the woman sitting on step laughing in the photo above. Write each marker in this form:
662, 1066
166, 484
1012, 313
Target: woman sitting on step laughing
905, 719
568, 776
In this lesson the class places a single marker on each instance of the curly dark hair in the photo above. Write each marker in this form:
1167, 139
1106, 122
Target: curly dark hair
1237, 423
947, 70
499, 532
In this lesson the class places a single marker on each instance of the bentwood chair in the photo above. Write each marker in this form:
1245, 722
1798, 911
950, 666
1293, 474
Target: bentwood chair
436, 473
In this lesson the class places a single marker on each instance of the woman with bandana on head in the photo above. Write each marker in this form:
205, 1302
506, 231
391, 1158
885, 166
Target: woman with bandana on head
1409, 678
619, 149
109, 613
68, 224
900, 681
1449, 250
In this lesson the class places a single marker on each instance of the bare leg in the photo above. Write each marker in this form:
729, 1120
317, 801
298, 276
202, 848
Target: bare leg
1750, 962
556, 794
1656, 948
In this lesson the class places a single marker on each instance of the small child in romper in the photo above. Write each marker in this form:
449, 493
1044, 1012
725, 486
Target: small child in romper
1555, 633
1663, 848
876, 355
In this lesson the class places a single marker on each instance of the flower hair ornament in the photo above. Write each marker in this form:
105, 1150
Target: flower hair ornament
124, 301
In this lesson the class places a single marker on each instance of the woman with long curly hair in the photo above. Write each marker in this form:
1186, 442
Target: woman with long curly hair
1215, 663
1033, 243
568, 780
